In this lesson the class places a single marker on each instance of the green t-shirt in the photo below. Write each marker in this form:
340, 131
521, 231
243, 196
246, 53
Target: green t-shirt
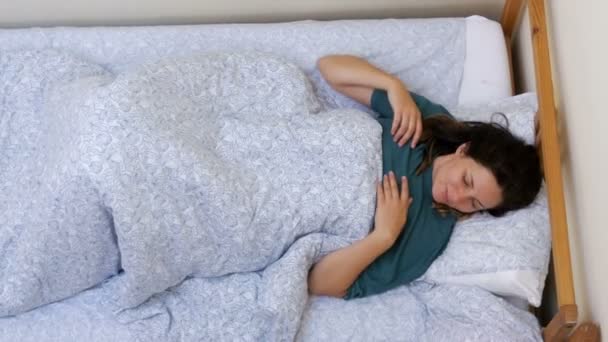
426, 232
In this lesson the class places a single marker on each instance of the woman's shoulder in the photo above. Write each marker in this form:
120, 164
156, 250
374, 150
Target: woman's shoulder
427, 107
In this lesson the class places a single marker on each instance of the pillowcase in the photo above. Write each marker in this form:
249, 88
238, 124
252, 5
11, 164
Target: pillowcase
508, 256
520, 111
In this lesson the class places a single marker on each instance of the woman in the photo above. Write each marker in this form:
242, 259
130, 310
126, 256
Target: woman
458, 169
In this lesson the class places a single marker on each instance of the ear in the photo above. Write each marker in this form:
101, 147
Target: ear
462, 149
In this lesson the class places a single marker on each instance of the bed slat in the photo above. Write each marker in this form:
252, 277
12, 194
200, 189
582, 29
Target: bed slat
561, 325
565, 320
510, 17
551, 154
549, 143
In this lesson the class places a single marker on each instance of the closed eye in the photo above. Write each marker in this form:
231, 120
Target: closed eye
474, 202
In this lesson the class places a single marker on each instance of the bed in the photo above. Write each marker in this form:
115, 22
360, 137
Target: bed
470, 74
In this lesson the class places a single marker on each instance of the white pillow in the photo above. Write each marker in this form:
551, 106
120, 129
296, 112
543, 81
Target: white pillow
520, 111
486, 74
508, 256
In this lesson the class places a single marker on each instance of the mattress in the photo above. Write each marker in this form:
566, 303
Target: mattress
193, 308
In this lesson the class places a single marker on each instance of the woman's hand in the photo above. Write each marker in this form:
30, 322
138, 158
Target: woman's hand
391, 208
335, 273
407, 122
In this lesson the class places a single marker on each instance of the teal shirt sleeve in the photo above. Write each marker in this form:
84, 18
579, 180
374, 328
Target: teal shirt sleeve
409, 258
381, 105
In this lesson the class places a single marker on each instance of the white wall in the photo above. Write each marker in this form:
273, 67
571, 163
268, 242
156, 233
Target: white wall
121, 12
579, 53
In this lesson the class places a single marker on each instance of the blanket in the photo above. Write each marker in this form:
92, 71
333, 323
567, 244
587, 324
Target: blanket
186, 199
200, 166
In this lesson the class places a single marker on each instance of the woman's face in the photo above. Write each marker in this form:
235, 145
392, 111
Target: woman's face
461, 183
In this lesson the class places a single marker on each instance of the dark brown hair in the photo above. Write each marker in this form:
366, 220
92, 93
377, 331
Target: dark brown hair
514, 164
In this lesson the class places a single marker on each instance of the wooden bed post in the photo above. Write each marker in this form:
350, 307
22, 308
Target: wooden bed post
551, 153
560, 327
551, 158
509, 20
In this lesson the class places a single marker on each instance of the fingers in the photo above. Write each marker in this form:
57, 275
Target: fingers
410, 131
417, 134
388, 190
387, 187
393, 185
397, 121
405, 122
406, 126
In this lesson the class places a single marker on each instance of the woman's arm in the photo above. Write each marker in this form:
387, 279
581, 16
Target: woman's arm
357, 78
336, 272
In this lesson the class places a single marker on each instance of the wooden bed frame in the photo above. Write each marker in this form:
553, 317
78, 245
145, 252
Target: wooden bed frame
563, 326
